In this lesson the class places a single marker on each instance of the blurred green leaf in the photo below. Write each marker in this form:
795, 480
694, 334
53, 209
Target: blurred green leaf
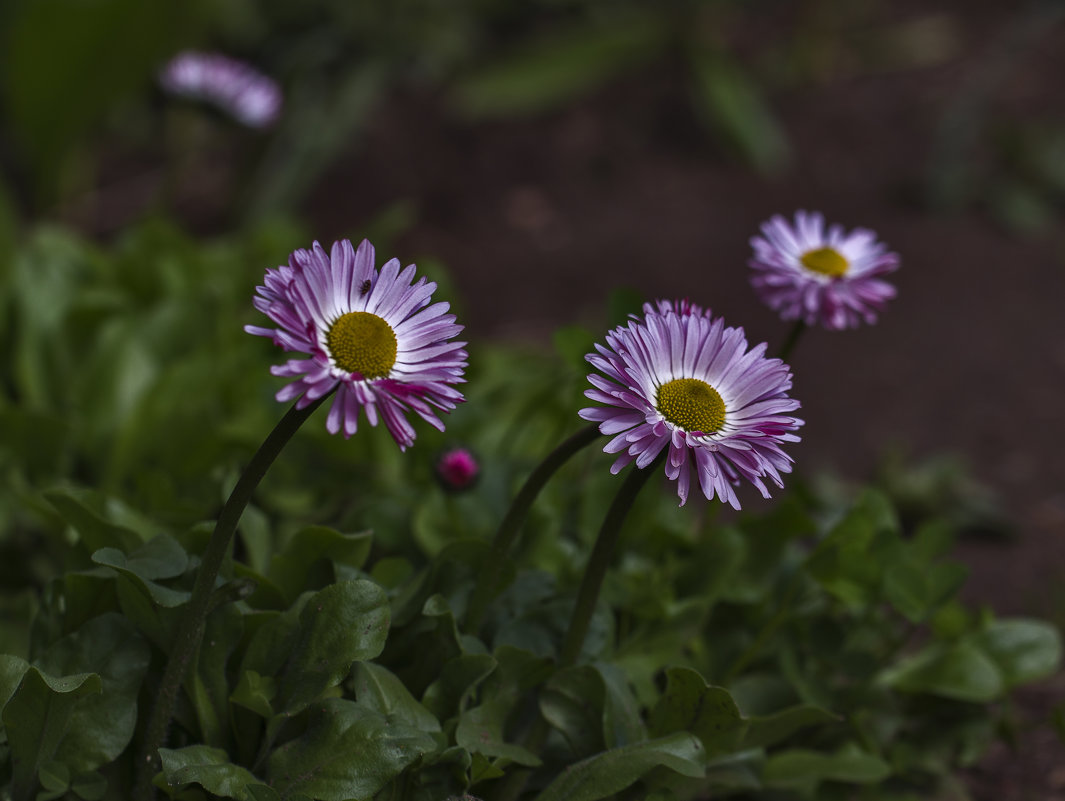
572, 701
767, 730
733, 104
802, 768
961, 670
289, 568
555, 68
1024, 650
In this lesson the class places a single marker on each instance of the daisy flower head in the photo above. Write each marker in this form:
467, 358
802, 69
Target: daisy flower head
687, 383
821, 275
245, 94
373, 335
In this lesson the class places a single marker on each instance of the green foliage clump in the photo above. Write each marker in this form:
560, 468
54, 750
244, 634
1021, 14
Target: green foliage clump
810, 648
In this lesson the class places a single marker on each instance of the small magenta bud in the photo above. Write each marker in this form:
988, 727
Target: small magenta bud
457, 469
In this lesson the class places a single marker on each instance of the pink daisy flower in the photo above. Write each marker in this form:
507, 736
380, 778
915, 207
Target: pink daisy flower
807, 272
371, 335
683, 381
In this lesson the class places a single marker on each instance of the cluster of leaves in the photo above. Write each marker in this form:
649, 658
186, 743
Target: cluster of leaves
811, 650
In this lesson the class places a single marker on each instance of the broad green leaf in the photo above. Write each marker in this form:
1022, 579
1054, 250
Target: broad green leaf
690, 704
12, 669
208, 767
256, 693
612, 771
961, 670
1024, 650
347, 751
458, 680
101, 726
798, 768
95, 531
572, 701
622, 723
480, 731
289, 569
378, 689
340, 625
37, 718
768, 730
160, 558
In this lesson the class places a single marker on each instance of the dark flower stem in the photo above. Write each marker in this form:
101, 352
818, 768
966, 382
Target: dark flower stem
488, 582
793, 339
190, 628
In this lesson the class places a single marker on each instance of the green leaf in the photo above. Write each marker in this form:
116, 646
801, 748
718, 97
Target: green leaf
612, 771
961, 670
480, 731
690, 704
338, 626
801, 768
95, 531
89, 786
377, 688
768, 730
459, 678
255, 692
348, 751
208, 685
733, 104
160, 558
101, 726
36, 719
208, 767
622, 723
12, 669
290, 568
1024, 650
572, 701
554, 69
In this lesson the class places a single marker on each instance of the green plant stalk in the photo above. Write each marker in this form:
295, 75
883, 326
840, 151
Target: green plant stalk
793, 339
587, 598
488, 581
191, 626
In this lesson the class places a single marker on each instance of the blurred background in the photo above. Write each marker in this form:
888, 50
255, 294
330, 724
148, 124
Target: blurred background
539, 155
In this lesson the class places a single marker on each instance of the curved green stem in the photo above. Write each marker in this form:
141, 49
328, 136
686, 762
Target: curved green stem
793, 338
190, 628
488, 582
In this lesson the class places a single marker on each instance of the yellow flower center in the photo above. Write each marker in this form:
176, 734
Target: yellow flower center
363, 343
691, 404
826, 261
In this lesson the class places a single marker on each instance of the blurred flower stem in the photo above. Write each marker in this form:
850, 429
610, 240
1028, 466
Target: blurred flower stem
793, 339
191, 626
488, 583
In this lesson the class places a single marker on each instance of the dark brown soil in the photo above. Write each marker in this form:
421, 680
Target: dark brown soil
538, 219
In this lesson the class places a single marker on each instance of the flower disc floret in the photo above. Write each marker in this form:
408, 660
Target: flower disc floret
373, 336
362, 343
822, 276
691, 404
678, 380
